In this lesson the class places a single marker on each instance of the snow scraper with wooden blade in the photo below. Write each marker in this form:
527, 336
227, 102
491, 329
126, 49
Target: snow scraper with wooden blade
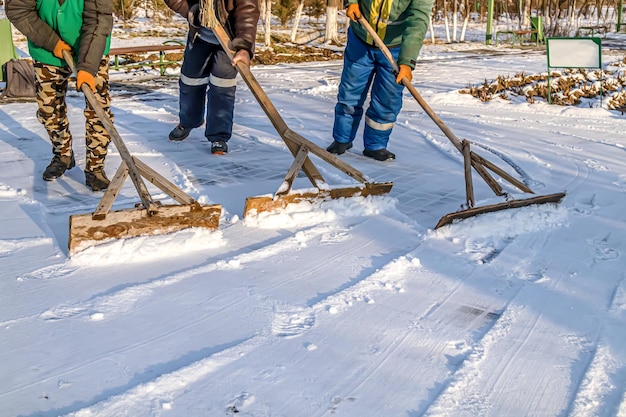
298, 145
148, 218
470, 158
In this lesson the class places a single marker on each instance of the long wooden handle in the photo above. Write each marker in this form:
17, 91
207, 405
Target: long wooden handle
142, 190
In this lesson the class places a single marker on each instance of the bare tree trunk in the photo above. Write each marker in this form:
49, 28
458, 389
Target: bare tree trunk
455, 10
431, 29
296, 21
268, 23
466, 11
526, 11
445, 20
262, 13
331, 22
464, 28
571, 16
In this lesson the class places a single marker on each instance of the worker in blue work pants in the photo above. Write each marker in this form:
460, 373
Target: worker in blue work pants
362, 65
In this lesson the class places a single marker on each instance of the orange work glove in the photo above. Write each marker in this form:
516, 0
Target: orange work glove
83, 77
405, 71
353, 12
242, 56
60, 47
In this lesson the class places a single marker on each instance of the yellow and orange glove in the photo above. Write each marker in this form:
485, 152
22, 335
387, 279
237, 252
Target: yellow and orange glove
353, 12
405, 71
60, 47
83, 77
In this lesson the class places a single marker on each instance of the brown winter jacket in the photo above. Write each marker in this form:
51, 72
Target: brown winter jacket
97, 23
241, 24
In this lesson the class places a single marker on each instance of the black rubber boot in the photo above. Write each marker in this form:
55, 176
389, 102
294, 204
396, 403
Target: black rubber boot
338, 148
380, 154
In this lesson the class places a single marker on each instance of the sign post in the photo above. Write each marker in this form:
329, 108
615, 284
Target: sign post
489, 33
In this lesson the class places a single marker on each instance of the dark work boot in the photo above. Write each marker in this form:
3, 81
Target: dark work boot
179, 133
219, 147
96, 180
338, 148
58, 166
380, 154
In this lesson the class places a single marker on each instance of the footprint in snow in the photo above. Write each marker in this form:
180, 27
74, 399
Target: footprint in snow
292, 322
338, 400
595, 165
621, 183
601, 250
63, 312
335, 237
239, 403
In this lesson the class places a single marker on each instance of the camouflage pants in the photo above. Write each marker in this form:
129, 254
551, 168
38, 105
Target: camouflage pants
52, 84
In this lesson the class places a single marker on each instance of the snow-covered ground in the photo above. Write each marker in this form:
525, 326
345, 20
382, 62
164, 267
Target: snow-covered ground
351, 307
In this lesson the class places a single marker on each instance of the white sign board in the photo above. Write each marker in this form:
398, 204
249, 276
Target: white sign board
574, 52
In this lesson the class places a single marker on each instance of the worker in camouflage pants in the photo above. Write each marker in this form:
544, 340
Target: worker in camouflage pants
81, 28
52, 113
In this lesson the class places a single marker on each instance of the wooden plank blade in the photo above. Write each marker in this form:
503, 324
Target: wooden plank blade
119, 224
464, 214
270, 203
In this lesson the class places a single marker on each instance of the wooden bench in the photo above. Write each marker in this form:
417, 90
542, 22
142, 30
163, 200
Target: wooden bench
162, 63
591, 30
517, 35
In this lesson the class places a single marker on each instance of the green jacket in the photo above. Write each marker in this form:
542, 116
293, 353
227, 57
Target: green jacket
401, 23
85, 25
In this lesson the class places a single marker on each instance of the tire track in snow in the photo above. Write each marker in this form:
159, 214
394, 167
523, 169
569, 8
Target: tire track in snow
469, 313
455, 395
531, 323
601, 389
453, 304
460, 303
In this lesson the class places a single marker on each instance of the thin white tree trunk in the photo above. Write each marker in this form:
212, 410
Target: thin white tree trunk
331, 24
431, 29
268, 23
464, 28
445, 20
454, 19
527, 11
296, 21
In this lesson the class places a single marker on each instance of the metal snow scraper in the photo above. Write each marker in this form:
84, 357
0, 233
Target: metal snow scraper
470, 158
148, 217
298, 145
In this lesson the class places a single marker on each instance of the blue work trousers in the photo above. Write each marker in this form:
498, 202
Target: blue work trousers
207, 78
365, 66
